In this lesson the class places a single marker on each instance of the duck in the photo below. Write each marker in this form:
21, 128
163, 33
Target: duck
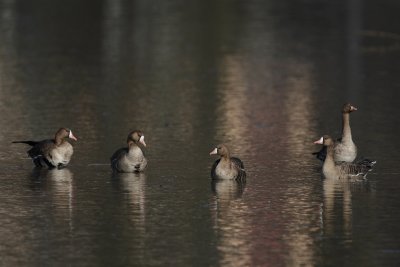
342, 169
226, 167
131, 158
55, 153
344, 147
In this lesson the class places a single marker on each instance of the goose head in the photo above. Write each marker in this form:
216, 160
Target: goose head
63, 133
221, 150
348, 108
325, 140
136, 137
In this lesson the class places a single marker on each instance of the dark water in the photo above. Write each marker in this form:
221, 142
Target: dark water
265, 77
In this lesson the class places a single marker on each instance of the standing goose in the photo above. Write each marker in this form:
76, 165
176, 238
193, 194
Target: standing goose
55, 152
131, 158
334, 169
344, 147
227, 167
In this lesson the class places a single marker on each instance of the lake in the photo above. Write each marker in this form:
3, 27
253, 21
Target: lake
266, 78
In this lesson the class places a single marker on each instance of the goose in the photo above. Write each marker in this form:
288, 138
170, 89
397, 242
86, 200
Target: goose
344, 147
55, 152
335, 169
226, 167
131, 158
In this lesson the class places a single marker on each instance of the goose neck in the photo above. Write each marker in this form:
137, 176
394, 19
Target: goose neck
346, 130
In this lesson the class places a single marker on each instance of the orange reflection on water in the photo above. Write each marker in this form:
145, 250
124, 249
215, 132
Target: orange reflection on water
231, 224
232, 121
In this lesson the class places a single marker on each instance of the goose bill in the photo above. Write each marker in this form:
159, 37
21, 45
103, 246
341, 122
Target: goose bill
71, 135
319, 141
141, 140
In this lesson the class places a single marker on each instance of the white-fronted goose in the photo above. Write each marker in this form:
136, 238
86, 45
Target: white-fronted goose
344, 147
226, 167
131, 158
55, 152
335, 169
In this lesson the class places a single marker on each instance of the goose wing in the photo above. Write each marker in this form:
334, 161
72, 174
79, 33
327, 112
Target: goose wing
118, 154
239, 165
355, 169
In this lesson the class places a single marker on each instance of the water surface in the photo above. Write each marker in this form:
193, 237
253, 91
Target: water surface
266, 78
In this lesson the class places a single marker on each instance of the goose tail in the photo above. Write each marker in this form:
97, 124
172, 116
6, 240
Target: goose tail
31, 143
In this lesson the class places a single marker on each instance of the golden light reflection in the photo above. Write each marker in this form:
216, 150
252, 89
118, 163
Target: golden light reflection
299, 125
231, 223
299, 108
232, 102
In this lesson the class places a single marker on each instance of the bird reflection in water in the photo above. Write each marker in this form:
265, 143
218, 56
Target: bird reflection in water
226, 190
337, 209
133, 186
231, 223
58, 179
58, 185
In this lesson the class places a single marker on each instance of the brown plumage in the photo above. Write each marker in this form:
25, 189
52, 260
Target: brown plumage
344, 147
227, 167
55, 152
333, 169
131, 158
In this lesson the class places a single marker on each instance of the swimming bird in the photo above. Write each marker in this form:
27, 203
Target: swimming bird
335, 169
226, 167
55, 152
131, 158
344, 147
